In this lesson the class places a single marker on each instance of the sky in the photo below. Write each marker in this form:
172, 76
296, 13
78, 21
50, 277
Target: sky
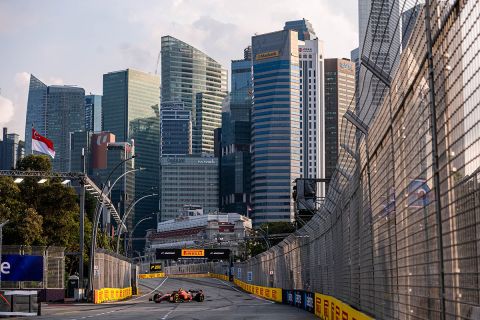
76, 42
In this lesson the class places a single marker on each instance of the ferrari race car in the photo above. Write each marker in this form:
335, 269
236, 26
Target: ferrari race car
179, 295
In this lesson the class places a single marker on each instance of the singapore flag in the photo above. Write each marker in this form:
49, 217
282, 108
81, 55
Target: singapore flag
42, 144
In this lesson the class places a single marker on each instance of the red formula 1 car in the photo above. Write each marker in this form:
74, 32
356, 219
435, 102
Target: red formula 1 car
179, 295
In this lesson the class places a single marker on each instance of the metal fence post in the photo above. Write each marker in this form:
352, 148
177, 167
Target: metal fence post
435, 164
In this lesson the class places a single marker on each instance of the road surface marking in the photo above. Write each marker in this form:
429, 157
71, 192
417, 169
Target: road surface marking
229, 285
168, 313
146, 294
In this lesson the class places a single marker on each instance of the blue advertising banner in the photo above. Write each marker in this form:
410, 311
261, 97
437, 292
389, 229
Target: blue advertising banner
15, 267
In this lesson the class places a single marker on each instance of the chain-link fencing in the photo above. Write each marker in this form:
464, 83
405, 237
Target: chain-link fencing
112, 270
53, 267
398, 236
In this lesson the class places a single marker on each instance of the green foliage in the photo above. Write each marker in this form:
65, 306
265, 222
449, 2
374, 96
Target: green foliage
35, 163
45, 214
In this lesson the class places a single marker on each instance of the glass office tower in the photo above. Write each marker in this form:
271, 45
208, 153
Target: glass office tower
93, 113
12, 149
131, 112
55, 111
188, 180
235, 160
276, 125
200, 82
175, 129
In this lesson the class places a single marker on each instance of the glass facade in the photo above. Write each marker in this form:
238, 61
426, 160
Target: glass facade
192, 77
188, 180
11, 150
131, 112
55, 112
339, 94
235, 160
93, 113
276, 156
303, 27
175, 129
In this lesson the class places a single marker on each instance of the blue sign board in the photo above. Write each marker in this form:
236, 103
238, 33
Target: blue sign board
15, 267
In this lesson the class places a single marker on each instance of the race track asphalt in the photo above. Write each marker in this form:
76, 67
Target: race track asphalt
222, 301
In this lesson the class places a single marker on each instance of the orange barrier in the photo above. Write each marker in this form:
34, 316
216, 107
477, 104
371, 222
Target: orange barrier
219, 276
111, 294
327, 307
151, 275
274, 294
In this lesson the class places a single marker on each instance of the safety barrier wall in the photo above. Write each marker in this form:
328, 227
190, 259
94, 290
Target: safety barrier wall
112, 294
112, 270
151, 275
274, 294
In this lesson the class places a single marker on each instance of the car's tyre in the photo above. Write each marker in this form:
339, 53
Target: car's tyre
176, 297
155, 297
200, 297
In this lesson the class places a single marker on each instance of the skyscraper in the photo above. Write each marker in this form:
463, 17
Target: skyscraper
36, 111
188, 180
339, 94
12, 149
276, 125
200, 82
131, 112
310, 54
303, 27
235, 159
409, 19
93, 113
175, 129
55, 112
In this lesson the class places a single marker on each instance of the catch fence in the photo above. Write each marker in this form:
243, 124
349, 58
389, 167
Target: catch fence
113, 270
53, 267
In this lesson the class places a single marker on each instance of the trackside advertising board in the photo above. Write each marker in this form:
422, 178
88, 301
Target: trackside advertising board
327, 307
211, 254
274, 294
15, 267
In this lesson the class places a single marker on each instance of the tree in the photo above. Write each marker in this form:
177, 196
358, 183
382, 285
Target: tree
29, 228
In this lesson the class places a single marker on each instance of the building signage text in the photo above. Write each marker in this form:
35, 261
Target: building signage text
267, 55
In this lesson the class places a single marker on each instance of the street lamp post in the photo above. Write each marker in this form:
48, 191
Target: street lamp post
1, 244
133, 230
125, 216
96, 221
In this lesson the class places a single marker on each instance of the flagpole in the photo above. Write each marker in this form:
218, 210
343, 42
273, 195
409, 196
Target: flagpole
31, 138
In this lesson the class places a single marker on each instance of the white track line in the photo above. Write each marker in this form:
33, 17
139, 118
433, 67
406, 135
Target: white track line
168, 313
146, 294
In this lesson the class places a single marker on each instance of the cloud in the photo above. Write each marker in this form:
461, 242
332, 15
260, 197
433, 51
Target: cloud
6, 110
22, 79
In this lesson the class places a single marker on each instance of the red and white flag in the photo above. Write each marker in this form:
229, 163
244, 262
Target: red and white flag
42, 144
